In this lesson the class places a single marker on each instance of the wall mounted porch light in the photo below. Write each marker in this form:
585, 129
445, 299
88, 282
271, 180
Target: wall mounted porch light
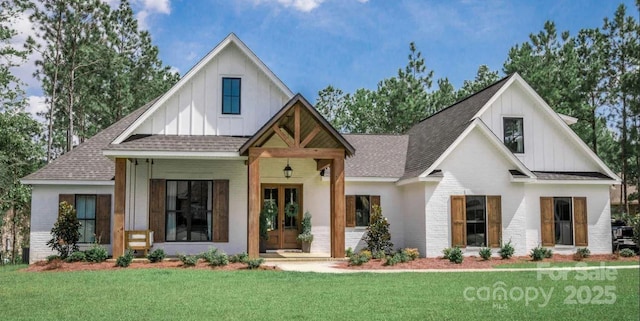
288, 171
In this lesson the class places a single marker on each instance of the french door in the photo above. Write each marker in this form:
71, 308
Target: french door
284, 227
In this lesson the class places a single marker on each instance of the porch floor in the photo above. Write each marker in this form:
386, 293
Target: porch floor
284, 255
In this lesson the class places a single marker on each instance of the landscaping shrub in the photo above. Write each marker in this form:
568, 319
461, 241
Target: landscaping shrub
393, 260
254, 263
65, 232
627, 253
455, 255
53, 257
378, 255
366, 253
96, 253
506, 250
538, 253
548, 253
156, 255
188, 260
581, 254
485, 253
348, 252
125, 259
77, 256
378, 237
446, 252
239, 258
412, 253
215, 257
360, 258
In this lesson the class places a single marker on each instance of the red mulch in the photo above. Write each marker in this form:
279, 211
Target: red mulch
61, 266
475, 262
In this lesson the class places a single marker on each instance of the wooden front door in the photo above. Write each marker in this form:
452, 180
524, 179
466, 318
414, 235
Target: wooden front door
284, 229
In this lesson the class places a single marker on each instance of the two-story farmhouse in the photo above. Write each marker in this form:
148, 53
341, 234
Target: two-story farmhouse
195, 166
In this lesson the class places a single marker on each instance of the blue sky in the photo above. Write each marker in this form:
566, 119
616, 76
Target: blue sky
352, 44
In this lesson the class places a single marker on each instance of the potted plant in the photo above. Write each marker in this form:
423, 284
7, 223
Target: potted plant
267, 215
305, 236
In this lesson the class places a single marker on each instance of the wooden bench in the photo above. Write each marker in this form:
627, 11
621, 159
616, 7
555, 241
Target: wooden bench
138, 240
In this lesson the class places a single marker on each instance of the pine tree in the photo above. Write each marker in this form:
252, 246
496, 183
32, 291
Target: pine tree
378, 237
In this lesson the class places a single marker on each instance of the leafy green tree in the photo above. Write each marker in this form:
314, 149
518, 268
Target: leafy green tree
65, 232
484, 78
11, 93
378, 237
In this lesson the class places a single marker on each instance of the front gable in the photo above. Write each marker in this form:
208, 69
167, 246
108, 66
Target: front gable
549, 143
194, 105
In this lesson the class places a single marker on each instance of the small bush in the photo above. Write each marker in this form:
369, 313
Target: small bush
455, 255
77, 256
156, 255
215, 257
239, 258
65, 232
506, 250
627, 253
52, 258
485, 253
538, 253
380, 254
96, 253
125, 260
393, 260
446, 252
348, 252
548, 253
360, 258
582, 253
188, 260
366, 253
412, 253
253, 264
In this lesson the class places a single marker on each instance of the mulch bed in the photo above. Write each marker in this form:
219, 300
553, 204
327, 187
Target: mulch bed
475, 262
61, 266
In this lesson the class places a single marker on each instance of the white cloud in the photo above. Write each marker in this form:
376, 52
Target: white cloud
301, 5
148, 8
35, 105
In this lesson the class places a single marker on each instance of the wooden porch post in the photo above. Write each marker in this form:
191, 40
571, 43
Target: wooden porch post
119, 206
253, 226
338, 208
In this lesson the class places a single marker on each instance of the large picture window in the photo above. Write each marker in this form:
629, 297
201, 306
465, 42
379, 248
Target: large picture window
189, 211
231, 96
86, 212
514, 134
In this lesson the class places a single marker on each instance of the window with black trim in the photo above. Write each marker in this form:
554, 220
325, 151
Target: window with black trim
563, 220
86, 213
231, 96
363, 210
189, 211
514, 134
476, 218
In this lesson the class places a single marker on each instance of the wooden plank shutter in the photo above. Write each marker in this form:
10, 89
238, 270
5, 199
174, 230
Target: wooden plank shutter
220, 211
547, 230
157, 200
350, 204
103, 218
494, 217
69, 198
580, 221
458, 226
375, 200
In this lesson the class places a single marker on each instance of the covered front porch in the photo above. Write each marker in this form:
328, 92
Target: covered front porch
235, 182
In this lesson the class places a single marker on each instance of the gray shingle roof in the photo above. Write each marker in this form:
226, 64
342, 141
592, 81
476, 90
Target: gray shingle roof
86, 162
431, 137
180, 143
579, 176
376, 155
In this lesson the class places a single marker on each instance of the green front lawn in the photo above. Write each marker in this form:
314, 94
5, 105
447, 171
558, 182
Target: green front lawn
546, 264
184, 294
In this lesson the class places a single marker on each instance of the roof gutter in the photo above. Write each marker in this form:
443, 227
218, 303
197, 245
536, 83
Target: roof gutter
65, 182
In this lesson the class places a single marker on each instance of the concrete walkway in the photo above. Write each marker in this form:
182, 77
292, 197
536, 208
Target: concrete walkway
329, 267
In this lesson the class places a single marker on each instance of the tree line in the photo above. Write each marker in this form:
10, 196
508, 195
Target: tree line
95, 66
593, 75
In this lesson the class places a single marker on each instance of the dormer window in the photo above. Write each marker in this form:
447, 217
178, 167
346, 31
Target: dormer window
231, 96
514, 134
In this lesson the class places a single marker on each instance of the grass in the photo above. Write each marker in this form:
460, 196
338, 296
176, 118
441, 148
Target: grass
185, 294
545, 264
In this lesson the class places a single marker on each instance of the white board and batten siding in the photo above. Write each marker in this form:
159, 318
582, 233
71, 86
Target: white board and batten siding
546, 145
196, 108
44, 213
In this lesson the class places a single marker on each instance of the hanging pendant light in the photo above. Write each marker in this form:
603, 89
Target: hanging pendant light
288, 171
